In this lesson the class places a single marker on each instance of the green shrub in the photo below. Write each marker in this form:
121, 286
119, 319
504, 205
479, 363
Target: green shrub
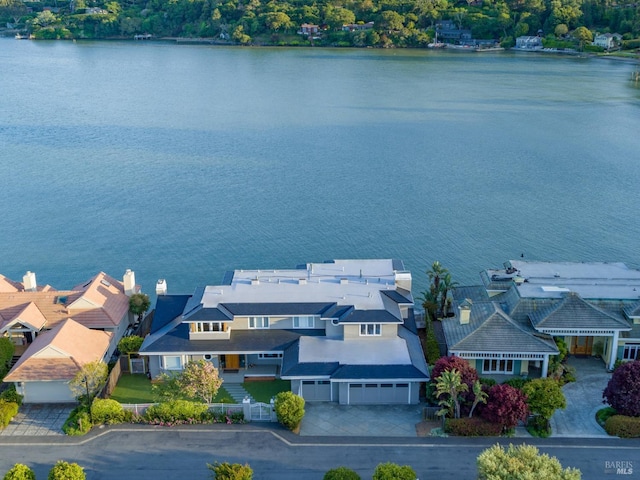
393, 471
20, 472
489, 382
11, 395
516, 382
629, 44
341, 473
623, 426
431, 346
66, 471
472, 427
106, 411
78, 423
130, 344
230, 471
603, 415
8, 410
289, 409
593, 48
176, 411
7, 349
539, 426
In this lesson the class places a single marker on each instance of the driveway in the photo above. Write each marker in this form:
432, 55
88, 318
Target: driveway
322, 419
38, 420
584, 399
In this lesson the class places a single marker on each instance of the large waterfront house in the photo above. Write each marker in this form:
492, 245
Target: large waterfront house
341, 331
55, 332
507, 325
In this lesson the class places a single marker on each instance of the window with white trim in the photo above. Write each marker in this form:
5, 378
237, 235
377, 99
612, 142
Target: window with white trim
200, 327
631, 351
370, 329
303, 322
497, 366
258, 322
172, 362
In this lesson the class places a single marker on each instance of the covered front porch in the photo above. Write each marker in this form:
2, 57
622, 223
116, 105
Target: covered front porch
602, 345
250, 373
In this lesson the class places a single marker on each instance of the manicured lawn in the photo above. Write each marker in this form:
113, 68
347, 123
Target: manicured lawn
263, 391
133, 389
137, 389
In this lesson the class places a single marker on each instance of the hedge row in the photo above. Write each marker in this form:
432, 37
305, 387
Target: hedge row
623, 426
472, 427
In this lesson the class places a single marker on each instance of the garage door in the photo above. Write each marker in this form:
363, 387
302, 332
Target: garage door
47, 392
316, 390
378, 393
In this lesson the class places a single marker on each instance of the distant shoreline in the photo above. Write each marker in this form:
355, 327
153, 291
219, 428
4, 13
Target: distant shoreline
225, 43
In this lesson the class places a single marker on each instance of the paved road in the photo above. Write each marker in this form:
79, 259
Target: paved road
182, 453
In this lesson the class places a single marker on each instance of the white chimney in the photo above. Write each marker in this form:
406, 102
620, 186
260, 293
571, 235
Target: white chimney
29, 282
302, 281
161, 287
255, 281
129, 281
465, 311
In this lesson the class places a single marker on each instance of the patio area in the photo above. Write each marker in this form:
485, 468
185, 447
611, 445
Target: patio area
252, 372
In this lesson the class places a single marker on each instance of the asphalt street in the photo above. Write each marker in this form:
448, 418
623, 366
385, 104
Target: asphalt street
182, 454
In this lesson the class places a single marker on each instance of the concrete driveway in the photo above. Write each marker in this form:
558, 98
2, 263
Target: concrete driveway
38, 420
584, 399
322, 419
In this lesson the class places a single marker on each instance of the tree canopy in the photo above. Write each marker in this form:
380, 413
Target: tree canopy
623, 390
523, 462
89, 380
544, 396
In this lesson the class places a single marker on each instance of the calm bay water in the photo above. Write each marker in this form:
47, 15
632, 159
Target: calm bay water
181, 162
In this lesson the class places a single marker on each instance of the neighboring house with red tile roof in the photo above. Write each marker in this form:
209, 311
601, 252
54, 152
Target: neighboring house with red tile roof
43, 373
101, 303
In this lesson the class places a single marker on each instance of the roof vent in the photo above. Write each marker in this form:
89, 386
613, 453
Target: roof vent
161, 287
344, 281
255, 281
302, 281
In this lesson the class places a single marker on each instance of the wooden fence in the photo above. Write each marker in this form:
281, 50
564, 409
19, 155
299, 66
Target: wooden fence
112, 379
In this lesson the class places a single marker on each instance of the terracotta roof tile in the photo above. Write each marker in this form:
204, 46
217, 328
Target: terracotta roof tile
99, 303
59, 353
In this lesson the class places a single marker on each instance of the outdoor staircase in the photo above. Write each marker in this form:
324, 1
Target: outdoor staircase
237, 392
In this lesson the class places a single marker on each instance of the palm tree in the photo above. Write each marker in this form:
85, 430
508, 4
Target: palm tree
450, 383
446, 284
480, 396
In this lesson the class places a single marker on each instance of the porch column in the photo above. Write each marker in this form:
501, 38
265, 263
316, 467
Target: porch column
545, 366
614, 350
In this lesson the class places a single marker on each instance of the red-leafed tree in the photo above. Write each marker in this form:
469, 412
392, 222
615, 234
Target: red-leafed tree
623, 389
506, 405
468, 374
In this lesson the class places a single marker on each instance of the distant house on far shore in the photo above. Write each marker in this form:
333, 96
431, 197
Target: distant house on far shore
607, 40
354, 27
308, 29
529, 42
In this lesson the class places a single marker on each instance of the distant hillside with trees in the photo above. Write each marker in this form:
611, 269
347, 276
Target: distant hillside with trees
396, 23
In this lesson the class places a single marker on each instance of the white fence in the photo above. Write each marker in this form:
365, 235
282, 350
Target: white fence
252, 412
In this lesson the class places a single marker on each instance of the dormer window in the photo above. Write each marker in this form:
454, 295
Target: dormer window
200, 327
370, 329
258, 322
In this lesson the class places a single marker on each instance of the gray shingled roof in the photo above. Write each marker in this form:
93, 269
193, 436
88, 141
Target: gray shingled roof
491, 330
370, 316
177, 340
209, 315
632, 310
575, 312
379, 372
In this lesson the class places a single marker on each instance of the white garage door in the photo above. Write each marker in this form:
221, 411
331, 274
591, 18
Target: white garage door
47, 392
378, 393
316, 390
